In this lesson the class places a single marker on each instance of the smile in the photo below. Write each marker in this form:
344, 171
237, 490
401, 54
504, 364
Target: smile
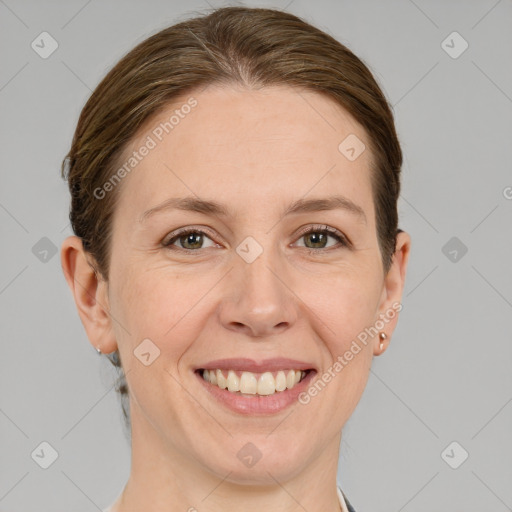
254, 384
255, 388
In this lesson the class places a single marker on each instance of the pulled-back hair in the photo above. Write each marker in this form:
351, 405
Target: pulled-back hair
249, 47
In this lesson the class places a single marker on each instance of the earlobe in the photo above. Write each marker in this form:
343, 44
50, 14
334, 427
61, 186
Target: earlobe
89, 293
394, 283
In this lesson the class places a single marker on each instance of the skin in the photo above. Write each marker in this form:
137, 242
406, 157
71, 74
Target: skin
255, 151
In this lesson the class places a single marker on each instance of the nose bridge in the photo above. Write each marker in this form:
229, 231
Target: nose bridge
261, 303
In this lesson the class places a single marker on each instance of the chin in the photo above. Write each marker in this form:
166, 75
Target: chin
259, 460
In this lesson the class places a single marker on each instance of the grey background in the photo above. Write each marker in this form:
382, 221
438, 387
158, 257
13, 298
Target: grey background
446, 376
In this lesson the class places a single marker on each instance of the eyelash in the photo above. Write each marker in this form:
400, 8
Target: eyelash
323, 229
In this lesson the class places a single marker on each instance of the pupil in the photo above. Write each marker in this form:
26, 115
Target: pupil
189, 239
319, 236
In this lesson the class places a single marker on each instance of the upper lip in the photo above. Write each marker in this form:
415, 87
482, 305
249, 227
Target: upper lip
252, 365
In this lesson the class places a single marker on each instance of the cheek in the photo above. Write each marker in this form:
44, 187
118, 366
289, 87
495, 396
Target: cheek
159, 305
346, 303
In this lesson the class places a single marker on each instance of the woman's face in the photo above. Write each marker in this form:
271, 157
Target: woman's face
247, 286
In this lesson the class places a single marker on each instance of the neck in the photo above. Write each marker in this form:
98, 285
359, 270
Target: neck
165, 478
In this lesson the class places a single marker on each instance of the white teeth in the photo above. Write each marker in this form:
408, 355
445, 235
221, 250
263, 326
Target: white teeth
233, 381
221, 380
248, 383
280, 381
251, 384
290, 379
267, 384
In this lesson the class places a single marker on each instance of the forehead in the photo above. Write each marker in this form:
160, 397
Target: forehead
240, 145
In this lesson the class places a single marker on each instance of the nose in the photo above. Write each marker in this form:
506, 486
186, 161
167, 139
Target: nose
258, 302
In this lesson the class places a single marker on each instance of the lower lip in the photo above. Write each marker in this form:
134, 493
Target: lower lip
256, 404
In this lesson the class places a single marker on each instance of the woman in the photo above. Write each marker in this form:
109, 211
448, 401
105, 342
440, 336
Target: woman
234, 183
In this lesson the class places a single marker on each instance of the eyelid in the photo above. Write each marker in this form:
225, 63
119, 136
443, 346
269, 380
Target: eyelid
169, 240
314, 228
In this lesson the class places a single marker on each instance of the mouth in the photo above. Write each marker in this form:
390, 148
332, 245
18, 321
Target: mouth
249, 387
251, 384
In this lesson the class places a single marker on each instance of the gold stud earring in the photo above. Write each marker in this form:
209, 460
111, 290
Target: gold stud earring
382, 337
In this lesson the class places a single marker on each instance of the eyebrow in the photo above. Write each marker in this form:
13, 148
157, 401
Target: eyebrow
194, 204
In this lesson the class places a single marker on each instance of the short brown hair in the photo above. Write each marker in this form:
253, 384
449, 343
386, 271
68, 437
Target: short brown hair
252, 47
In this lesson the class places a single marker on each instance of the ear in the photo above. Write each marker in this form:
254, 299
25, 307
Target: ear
394, 282
90, 292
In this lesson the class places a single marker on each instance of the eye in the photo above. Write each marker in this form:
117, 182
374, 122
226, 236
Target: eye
317, 238
190, 239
